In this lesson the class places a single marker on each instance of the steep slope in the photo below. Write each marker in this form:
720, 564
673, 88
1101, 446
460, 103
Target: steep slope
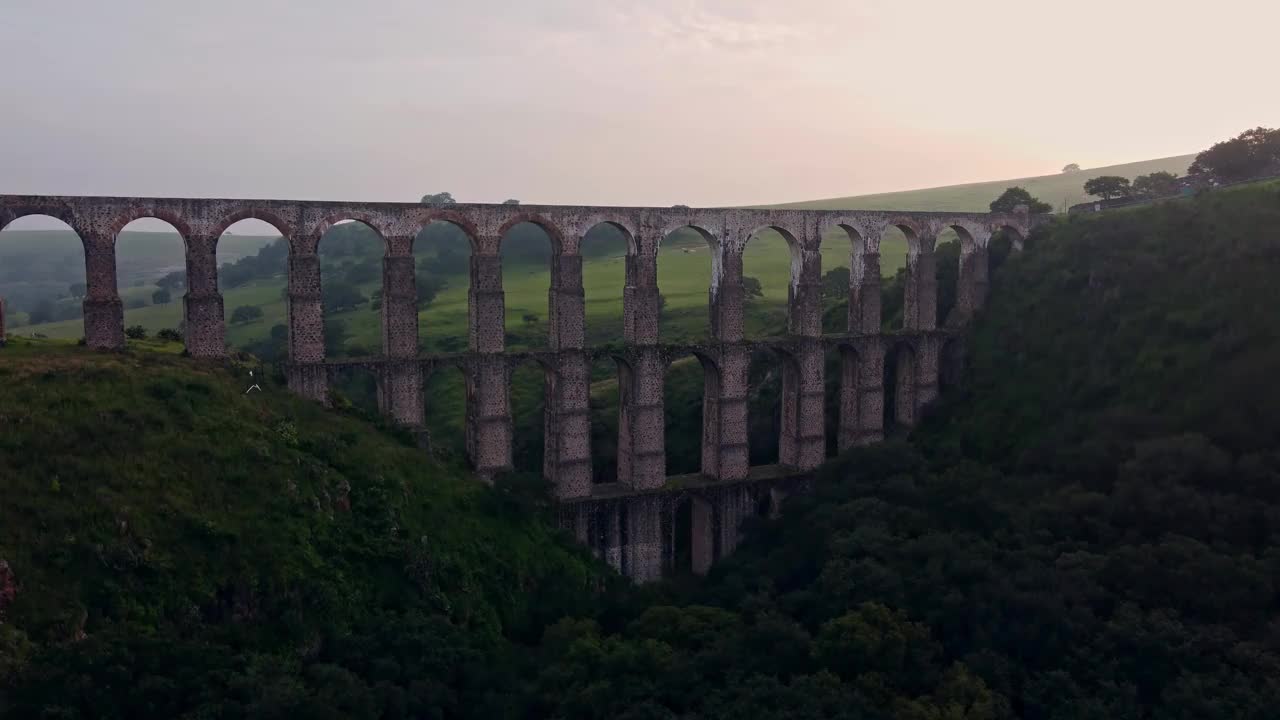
1091, 524
1060, 190
163, 530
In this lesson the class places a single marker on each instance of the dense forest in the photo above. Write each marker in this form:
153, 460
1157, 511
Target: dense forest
1085, 527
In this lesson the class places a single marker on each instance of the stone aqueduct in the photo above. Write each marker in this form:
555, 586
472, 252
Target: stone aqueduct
629, 522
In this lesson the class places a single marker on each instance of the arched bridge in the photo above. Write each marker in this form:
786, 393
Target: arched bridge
630, 521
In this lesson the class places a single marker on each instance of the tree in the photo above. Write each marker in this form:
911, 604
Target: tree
169, 335
246, 313
340, 296
161, 297
1250, 154
135, 332
511, 201
1108, 187
428, 286
175, 280
679, 207
1071, 167
77, 290
1014, 196
751, 288
1156, 184
440, 198
835, 284
530, 319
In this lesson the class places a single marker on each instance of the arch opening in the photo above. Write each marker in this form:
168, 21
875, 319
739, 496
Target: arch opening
896, 245
527, 252
604, 399
952, 244
445, 414
770, 271
841, 248
688, 259
840, 396
899, 390
350, 254
766, 404
530, 381
605, 248
151, 278
42, 278
686, 380
253, 262
442, 270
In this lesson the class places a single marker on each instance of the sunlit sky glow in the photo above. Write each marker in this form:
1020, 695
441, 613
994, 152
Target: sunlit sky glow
702, 102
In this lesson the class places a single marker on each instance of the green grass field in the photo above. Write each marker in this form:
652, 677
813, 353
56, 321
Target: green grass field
1060, 190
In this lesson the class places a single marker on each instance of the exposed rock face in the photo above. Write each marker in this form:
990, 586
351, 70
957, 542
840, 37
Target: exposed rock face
8, 587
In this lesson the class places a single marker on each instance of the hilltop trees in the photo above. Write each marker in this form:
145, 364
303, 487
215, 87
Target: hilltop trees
1014, 196
440, 198
1108, 187
246, 313
1156, 184
1071, 167
1250, 154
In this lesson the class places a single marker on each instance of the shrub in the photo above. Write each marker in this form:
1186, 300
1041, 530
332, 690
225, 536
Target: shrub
135, 332
169, 335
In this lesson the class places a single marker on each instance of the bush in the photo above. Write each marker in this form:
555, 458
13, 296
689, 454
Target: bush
135, 332
169, 335
246, 313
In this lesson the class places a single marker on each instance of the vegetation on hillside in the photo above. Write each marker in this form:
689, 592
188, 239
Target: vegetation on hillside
1085, 528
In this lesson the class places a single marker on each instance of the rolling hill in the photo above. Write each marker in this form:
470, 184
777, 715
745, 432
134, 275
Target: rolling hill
1060, 190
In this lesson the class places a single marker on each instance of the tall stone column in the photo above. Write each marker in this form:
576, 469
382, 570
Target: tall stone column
905, 377
642, 458
205, 332
307, 374
567, 435
103, 311
642, 549
725, 454
861, 394
864, 291
802, 444
401, 377
703, 534
971, 285
920, 307
489, 378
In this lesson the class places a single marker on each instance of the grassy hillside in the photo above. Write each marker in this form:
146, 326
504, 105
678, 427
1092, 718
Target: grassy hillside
153, 514
1060, 190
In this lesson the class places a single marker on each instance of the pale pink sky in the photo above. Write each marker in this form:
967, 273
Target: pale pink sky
703, 102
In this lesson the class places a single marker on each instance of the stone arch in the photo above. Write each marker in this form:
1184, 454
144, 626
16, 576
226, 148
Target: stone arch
43, 308
457, 219
64, 213
622, 227
173, 290
841, 396
683, 291
689, 376
1017, 235
342, 218
368, 273
447, 414
861, 295
762, 269
119, 222
602, 275
223, 224
554, 234
774, 386
530, 411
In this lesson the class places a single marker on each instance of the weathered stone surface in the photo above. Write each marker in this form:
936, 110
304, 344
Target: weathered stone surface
623, 522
